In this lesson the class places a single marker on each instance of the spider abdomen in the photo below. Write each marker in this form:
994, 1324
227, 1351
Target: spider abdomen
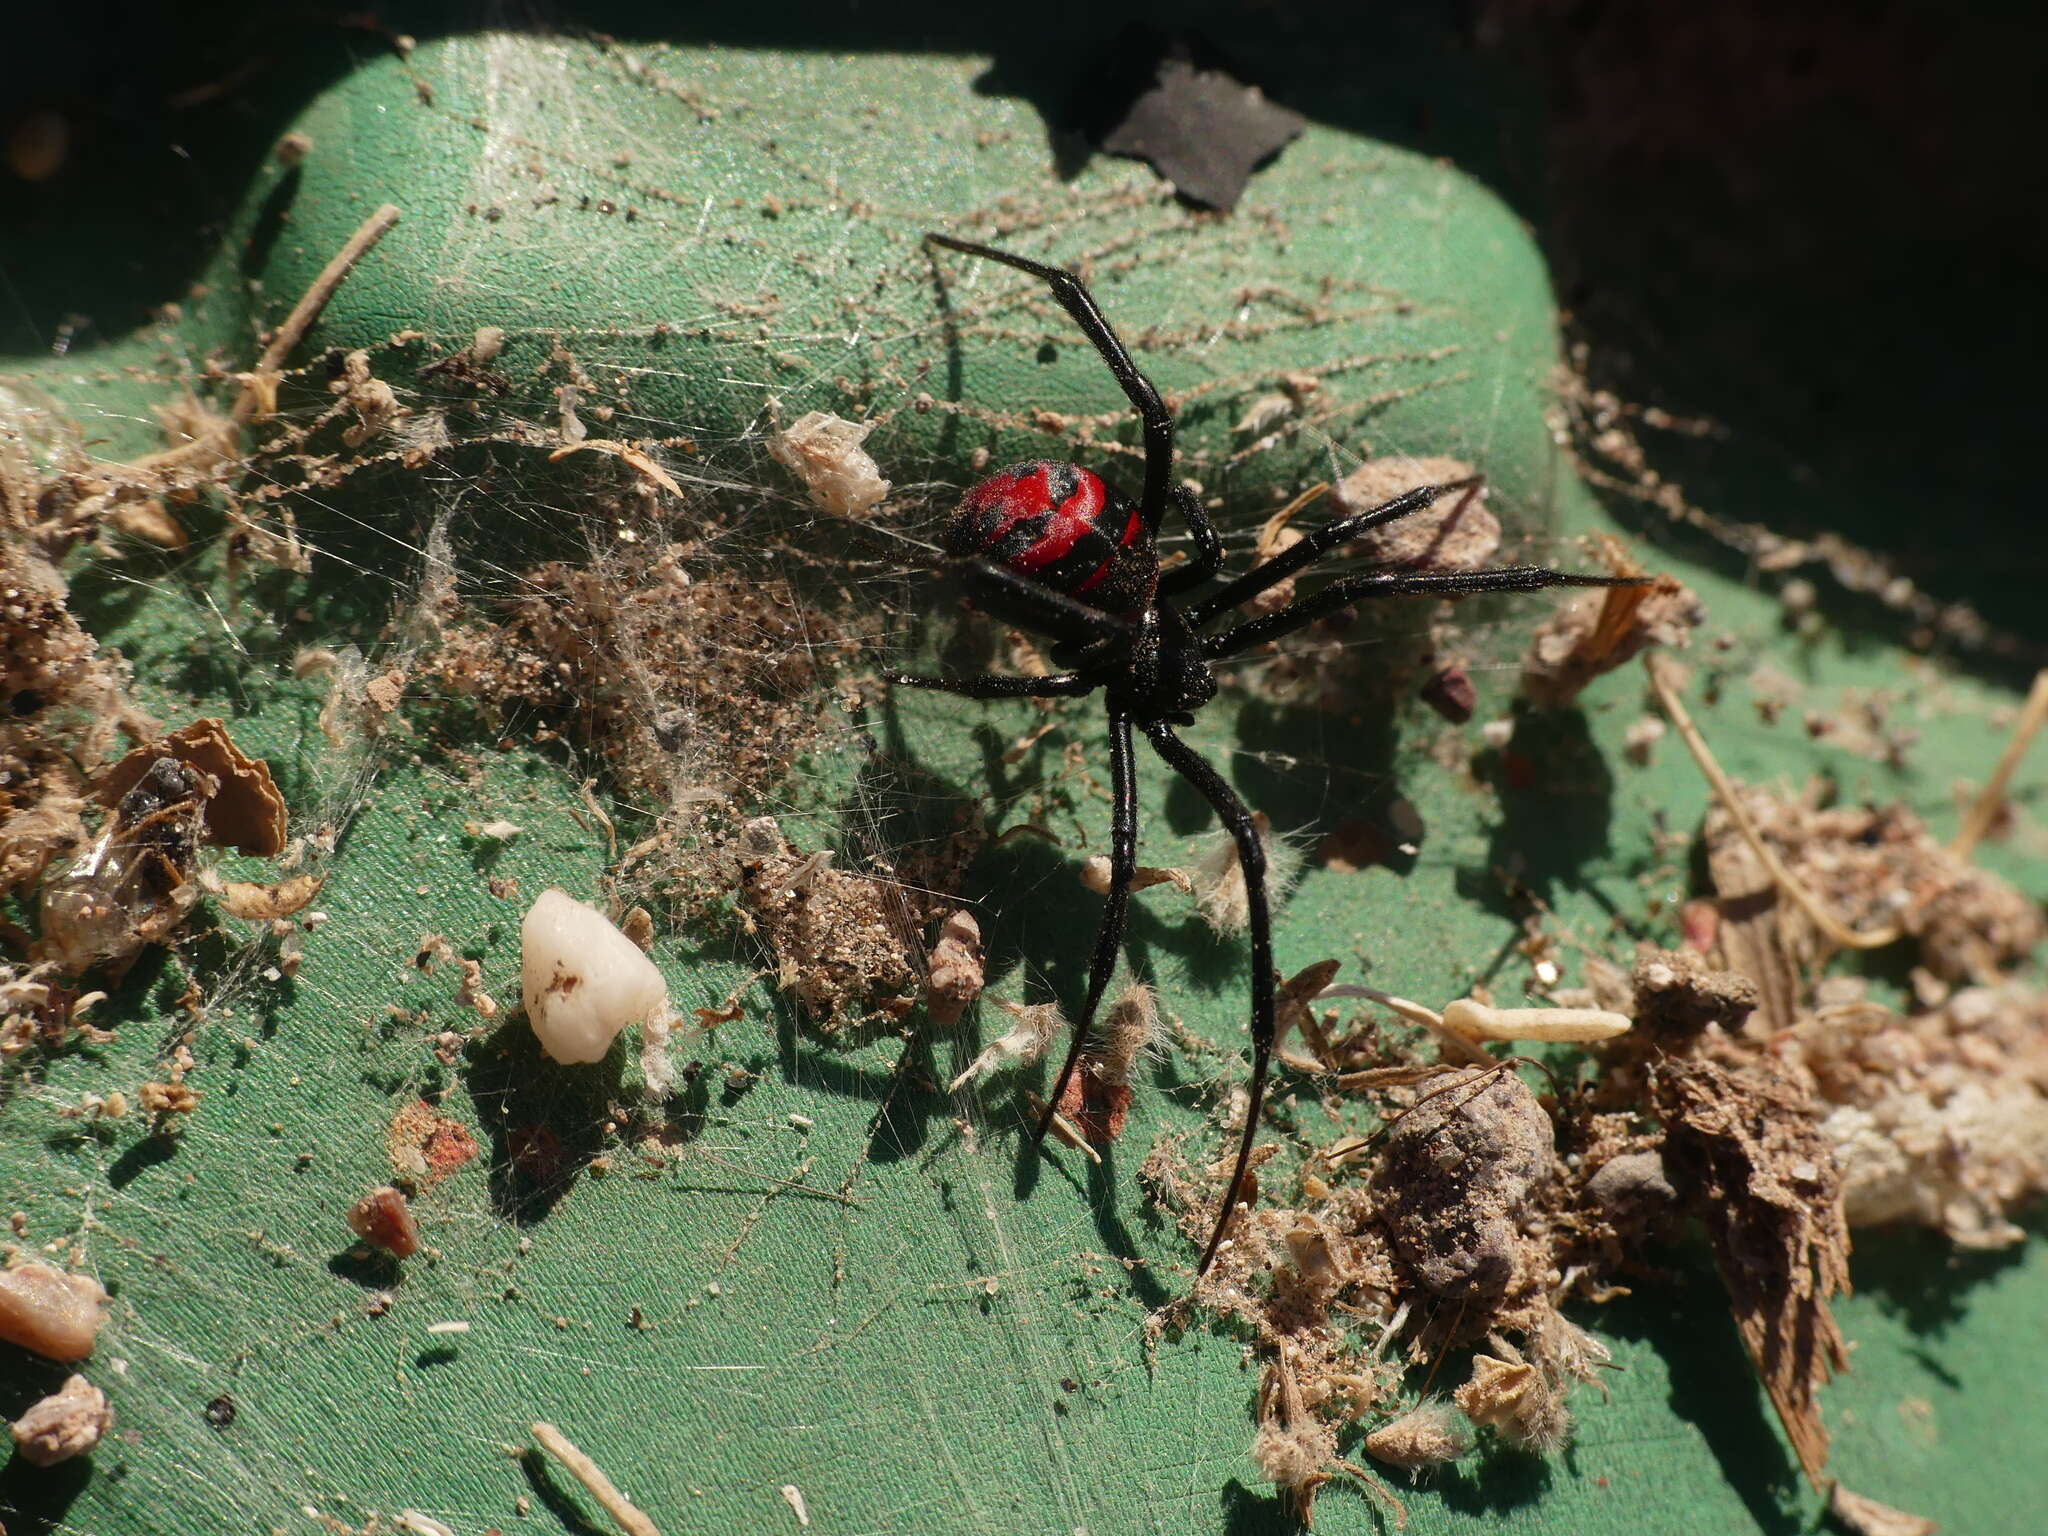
1062, 526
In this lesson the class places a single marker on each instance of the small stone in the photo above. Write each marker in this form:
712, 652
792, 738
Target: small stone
582, 979
54, 1314
67, 1423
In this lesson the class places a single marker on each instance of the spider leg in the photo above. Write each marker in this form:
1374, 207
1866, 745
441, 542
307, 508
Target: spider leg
1208, 545
1109, 938
1251, 859
1058, 685
1356, 589
1011, 594
1075, 299
1270, 573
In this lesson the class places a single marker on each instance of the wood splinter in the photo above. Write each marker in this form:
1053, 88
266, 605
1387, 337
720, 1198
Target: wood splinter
591, 1476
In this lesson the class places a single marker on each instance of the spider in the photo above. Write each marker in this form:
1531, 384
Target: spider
1052, 548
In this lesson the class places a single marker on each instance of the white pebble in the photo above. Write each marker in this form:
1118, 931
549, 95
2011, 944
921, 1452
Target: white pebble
582, 979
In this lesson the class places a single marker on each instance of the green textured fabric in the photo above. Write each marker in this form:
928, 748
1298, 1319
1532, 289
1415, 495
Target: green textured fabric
959, 1345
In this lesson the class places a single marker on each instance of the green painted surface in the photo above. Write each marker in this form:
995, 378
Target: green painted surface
961, 1349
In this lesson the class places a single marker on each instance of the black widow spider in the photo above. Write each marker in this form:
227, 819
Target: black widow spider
1050, 547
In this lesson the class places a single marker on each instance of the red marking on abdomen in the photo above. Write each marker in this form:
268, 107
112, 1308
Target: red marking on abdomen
1072, 521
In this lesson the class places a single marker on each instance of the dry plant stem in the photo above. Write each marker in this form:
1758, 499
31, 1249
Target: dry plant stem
1374, 1486
259, 387
288, 335
1285, 515
591, 1476
1725, 791
1991, 799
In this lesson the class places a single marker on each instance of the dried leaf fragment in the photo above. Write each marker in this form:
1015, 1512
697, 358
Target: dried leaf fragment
1749, 1153
1867, 1517
1595, 631
243, 809
824, 451
266, 903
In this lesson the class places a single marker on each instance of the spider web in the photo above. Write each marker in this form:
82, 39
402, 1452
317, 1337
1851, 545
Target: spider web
809, 1267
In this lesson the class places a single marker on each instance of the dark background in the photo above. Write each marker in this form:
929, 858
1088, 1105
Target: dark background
1817, 228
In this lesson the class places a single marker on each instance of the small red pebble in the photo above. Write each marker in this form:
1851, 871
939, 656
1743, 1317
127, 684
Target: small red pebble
384, 1220
1451, 694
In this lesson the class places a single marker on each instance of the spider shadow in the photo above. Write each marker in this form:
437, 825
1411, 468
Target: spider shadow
1556, 794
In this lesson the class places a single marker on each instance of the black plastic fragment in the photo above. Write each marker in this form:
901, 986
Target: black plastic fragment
1173, 103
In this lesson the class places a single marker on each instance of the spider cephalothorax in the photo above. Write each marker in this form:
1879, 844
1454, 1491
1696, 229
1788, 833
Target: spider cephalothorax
1051, 547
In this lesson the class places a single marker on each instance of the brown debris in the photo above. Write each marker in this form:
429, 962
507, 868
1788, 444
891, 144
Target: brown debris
37, 1007
1868, 866
1457, 533
1513, 1396
39, 820
1458, 1180
267, 903
1755, 1167
1940, 1118
697, 687
839, 940
1424, 1437
956, 974
243, 809
1595, 631
1097, 1108
167, 1098
1867, 1517
383, 1219
1679, 994
67, 1423
49, 1312
1292, 1445
426, 1145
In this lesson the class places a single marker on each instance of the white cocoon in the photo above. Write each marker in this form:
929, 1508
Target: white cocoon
582, 979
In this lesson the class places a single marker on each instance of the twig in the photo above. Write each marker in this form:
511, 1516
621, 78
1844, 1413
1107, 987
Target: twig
1731, 799
307, 310
1991, 798
591, 1476
219, 440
